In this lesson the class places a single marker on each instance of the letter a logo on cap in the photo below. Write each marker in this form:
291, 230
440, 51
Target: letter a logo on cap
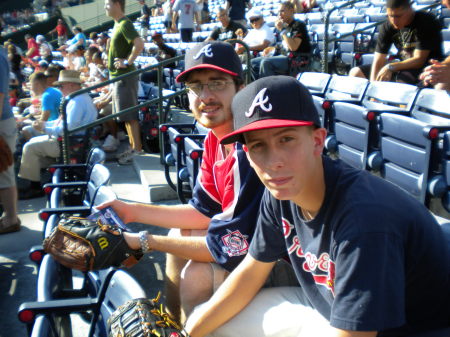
260, 101
206, 50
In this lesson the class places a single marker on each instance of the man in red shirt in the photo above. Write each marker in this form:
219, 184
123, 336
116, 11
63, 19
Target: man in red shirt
61, 30
32, 47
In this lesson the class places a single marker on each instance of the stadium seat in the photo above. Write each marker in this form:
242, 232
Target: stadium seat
409, 156
316, 83
355, 134
432, 107
390, 97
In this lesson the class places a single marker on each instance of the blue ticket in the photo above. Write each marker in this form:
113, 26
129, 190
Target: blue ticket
107, 215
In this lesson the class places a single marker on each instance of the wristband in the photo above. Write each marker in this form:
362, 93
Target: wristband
125, 63
391, 67
143, 240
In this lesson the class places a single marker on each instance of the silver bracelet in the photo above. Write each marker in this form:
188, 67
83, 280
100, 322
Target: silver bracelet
143, 240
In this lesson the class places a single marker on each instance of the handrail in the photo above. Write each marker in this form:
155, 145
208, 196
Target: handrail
159, 66
248, 78
327, 40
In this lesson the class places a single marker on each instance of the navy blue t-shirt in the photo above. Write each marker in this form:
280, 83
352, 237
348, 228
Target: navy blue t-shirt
237, 9
373, 258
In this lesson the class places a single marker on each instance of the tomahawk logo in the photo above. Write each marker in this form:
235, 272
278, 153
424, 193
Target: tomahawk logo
206, 50
260, 101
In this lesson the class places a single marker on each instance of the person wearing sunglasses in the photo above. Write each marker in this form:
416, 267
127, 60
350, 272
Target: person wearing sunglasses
260, 36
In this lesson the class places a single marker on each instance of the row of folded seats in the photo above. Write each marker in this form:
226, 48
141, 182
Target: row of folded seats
61, 292
394, 130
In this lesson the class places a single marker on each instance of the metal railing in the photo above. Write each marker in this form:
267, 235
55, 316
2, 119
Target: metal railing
159, 100
327, 40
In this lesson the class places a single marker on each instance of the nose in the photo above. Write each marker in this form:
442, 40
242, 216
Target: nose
274, 159
205, 92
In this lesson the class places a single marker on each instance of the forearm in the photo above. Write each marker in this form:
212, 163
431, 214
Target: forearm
187, 247
174, 216
412, 63
45, 115
292, 43
261, 46
138, 46
378, 63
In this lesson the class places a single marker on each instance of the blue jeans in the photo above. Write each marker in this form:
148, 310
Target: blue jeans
268, 66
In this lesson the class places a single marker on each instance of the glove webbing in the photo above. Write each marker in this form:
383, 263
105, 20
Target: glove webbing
166, 320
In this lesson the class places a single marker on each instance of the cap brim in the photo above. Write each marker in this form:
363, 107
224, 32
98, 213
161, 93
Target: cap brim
238, 135
182, 76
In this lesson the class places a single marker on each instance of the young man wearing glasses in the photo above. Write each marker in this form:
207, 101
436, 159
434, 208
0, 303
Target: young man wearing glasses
225, 199
417, 37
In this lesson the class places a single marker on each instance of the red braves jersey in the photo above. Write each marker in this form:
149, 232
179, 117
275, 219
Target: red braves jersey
228, 191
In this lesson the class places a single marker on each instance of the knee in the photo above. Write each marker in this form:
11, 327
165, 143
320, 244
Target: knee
356, 72
196, 285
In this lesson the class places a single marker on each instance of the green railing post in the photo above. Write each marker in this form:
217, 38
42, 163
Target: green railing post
248, 77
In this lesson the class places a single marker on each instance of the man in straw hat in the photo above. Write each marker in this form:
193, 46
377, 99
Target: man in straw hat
370, 259
210, 235
37, 151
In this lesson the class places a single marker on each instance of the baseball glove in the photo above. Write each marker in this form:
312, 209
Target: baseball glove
84, 244
143, 318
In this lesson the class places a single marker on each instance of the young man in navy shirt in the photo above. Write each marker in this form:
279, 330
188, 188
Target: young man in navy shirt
370, 259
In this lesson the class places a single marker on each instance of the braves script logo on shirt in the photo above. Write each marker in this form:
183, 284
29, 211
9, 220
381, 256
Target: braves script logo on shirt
236, 243
206, 50
260, 101
322, 268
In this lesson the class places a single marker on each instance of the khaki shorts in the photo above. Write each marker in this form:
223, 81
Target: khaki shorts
282, 275
125, 96
8, 131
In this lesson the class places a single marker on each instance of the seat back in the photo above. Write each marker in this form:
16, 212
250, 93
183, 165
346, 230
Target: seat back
355, 133
122, 288
390, 97
194, 151
100, 175
406, 149
432, 107
104, 194
346, 88
316, 83
96, 156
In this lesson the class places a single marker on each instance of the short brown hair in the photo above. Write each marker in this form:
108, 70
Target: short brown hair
39, 77
121, 3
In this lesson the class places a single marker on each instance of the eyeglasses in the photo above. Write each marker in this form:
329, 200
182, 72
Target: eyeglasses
214, 86
254, 20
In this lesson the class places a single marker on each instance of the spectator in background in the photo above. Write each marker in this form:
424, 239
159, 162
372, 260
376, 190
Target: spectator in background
45, 49
50, 102
303, 6
102, 42
125, 46
9, 222
236, 10
144, 19
61, 32
438, 73
167, 12
417, 37
228, 27
204, 11
186, 10
76, 59
40, 152
295, 41
79, 39
15, 61
32, 47
258, 38
164, 52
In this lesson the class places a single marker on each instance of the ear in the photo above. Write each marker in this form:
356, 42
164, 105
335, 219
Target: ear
319, 136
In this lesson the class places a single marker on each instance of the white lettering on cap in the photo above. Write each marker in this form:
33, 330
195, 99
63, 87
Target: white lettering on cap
206, 50
260, 101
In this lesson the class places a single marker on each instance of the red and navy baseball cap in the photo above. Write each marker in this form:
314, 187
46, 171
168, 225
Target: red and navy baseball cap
271, 102
215, 55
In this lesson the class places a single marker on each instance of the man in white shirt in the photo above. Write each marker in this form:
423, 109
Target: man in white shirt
36, 152
260, 37
185, 10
